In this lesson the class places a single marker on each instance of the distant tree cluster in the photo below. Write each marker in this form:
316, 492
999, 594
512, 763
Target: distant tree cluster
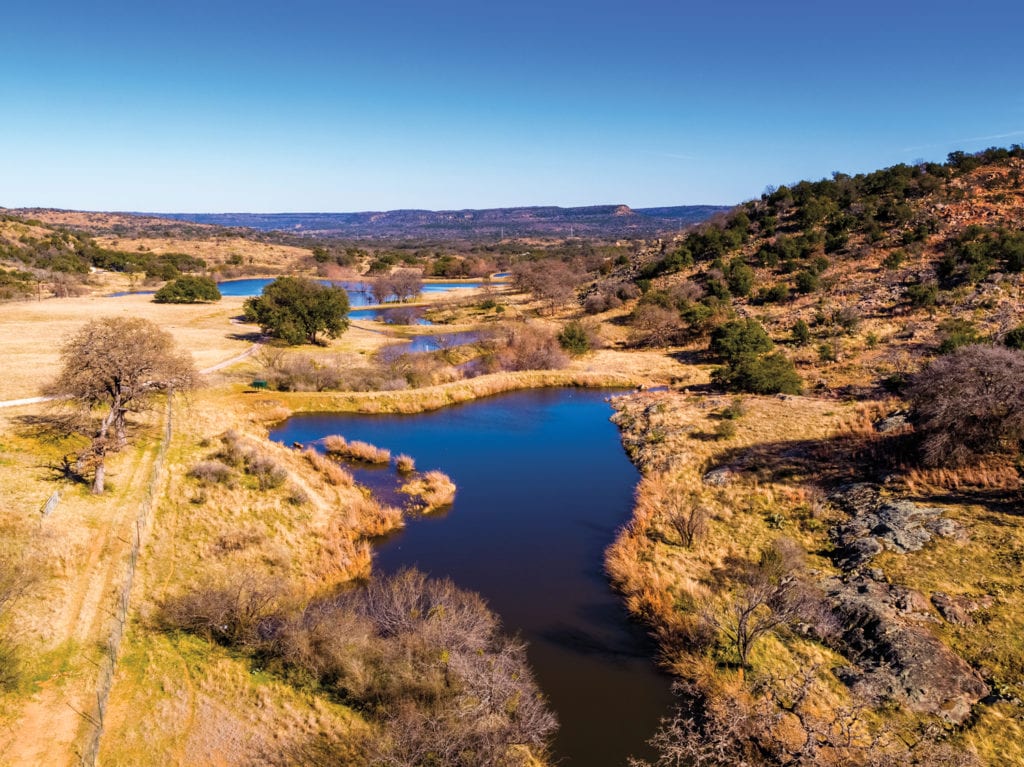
64, 251
977, 250
552, 281
398, 285
16, 283
799, 226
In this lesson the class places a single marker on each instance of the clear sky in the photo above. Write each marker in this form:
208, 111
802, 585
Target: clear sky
307, 105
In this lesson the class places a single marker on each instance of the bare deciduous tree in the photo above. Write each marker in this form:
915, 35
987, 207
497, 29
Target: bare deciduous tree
970, 403
772, 595
118, 364
401, 284
685, 515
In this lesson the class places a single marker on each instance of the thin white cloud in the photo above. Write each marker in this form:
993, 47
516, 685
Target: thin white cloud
965, 140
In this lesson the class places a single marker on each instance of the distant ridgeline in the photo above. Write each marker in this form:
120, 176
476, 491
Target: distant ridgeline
591, 221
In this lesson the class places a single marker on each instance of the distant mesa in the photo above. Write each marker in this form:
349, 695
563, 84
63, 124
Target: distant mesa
609, 221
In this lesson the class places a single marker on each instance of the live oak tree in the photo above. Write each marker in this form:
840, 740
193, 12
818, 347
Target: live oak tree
113, 366
297, 310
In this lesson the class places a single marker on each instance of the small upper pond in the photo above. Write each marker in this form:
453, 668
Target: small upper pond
394, 315
543, 486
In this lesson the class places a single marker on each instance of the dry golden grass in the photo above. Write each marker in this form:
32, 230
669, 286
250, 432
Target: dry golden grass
195, 701
670, 436
32, 332
330, 470
772, 492
433, 490
265, 257
405, 464
180, 700
81, 552
355, 450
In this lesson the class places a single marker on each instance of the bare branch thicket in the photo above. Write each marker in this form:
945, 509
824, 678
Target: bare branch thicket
782, 722
968, 404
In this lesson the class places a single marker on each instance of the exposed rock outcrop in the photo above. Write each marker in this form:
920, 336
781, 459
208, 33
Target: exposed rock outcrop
877, 524
884, 629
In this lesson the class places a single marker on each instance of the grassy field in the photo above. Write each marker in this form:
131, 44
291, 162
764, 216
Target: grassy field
31, 333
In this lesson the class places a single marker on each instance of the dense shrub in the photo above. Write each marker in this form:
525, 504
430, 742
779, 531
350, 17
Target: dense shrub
212, 472
523, 346
807, 282
574, 338
740, 338
923, 294
955, 333
189, 289
229, 613
968, 404
767, 374
1015, 338
774, 294
267, 472
422, 657
801, 333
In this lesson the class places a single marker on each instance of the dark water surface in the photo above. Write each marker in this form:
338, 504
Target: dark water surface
543, 485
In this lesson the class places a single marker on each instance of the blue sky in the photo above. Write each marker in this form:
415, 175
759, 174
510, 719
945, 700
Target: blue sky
337, 106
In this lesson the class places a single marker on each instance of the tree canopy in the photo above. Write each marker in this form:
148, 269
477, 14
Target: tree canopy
189, 289
297, 310
118, 363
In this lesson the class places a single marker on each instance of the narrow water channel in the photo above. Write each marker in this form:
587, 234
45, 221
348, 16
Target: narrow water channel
543, 486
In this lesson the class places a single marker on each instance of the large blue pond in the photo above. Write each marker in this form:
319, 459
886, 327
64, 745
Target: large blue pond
358, 292
543, 486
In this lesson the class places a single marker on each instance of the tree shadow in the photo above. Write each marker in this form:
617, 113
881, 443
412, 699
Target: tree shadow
693, 357
832, 461
253, 337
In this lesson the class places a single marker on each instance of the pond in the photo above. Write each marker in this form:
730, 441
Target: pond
543, 486
358, 292
396, 315
435, 341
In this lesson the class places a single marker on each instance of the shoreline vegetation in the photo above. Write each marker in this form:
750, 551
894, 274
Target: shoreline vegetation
281, 405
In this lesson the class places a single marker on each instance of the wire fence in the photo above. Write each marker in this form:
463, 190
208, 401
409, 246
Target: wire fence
108, 663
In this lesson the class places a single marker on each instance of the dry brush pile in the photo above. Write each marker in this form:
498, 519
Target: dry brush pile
423, 660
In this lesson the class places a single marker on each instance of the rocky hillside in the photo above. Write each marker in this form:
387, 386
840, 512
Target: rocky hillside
826, 594
860, 276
